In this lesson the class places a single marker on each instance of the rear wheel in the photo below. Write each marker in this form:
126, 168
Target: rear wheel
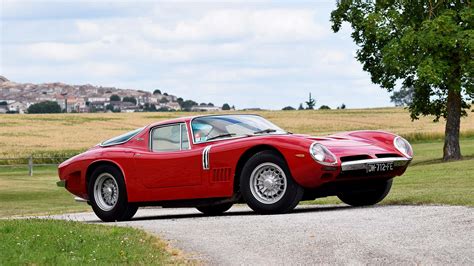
267, 186
108, 195
213, 210
367, 195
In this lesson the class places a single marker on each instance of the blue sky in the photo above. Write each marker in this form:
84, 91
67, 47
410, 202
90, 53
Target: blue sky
267, 54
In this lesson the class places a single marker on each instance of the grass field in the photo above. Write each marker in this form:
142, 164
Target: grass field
49, 242
22, 135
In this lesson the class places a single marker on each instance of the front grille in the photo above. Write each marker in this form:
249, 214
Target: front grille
354, 158
387, 155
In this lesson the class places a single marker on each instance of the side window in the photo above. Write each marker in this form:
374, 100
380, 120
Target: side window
169, 138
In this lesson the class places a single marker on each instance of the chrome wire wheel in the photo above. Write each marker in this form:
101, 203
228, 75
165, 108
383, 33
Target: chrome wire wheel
268, 183
106, 192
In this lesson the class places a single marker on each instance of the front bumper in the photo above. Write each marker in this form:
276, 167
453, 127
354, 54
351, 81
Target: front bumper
362, 164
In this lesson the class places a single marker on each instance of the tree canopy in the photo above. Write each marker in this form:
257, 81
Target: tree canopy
47, 107
310, 103
424, 45
115, 98
130, 99
225, 107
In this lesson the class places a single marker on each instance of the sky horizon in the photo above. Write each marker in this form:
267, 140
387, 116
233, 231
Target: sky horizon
267, 54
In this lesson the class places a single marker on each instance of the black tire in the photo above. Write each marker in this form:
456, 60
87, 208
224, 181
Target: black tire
369, 194
287, 200
122, 210
213, 210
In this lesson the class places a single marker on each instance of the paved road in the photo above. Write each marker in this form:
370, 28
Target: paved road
316, 234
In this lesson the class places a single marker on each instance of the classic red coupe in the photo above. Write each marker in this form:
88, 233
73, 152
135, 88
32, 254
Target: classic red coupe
211, 162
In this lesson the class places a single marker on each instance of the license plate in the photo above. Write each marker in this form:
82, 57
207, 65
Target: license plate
379, 167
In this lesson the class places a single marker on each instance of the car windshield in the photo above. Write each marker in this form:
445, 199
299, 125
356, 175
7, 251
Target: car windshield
122, 138
208, 128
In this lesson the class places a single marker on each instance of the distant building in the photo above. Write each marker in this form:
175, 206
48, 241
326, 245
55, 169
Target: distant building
205, 108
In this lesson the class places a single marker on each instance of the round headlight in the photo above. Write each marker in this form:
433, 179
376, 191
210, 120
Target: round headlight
322, 155
403, 146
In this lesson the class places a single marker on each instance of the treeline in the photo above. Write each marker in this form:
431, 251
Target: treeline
310, 105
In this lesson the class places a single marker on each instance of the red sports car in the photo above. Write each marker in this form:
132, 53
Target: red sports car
211, 162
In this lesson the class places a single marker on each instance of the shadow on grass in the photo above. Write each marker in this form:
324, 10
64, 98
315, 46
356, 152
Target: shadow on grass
440, 160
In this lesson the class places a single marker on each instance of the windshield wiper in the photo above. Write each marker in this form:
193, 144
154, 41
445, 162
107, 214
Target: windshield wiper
268, 130
221, 136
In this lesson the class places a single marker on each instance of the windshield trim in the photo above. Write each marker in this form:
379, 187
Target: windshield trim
229, 138
139, 130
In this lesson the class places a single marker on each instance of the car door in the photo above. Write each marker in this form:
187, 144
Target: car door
170, 161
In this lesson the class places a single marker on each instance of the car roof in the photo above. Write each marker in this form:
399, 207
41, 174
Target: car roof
189, 118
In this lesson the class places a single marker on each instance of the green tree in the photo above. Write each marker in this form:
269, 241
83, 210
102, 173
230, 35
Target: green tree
310, 103
187, 105
130, 99
301, 107
115, 98
324, 107
402, 97
425, 45
47, 107
156, 92
288, 108
225, 107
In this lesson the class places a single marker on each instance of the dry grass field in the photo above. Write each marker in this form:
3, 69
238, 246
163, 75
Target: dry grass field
21, 135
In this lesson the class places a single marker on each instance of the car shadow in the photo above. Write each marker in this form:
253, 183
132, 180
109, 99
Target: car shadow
303, 209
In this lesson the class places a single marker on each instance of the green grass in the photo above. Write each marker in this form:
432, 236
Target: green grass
428, 180
21, 194
50, 242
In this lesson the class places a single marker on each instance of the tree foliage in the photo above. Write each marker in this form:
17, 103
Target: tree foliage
288, 108
225, 107
402, 97
324, 107
115, 98
130, 99
47, 107
425, 45
310, 103
156, 92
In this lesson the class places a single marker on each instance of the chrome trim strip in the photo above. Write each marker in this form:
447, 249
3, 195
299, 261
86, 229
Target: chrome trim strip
78, 199
361, 164
205, 158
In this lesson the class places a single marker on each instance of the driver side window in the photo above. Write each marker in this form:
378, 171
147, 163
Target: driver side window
170, 138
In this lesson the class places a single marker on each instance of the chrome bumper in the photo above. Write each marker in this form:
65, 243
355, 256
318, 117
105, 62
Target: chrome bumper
362, 164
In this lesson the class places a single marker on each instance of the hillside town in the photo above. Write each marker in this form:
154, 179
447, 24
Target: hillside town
18, 97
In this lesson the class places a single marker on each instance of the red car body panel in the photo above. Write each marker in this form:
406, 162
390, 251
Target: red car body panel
179, 175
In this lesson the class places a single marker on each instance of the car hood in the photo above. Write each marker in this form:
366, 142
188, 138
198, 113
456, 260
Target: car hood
342, 145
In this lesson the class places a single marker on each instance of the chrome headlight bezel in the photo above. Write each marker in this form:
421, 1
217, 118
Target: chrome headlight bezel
403, 146
320, 153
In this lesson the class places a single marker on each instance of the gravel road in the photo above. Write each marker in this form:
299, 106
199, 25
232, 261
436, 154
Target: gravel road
315, 234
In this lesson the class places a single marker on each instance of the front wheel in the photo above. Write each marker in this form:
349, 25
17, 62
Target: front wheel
213, 210
108, 195
267, 186
369, 194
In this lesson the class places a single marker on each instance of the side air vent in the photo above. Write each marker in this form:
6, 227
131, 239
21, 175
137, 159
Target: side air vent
354, 158
387, 155
221, 175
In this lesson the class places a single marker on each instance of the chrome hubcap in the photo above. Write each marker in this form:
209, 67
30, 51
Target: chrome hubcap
106, 191
268, 183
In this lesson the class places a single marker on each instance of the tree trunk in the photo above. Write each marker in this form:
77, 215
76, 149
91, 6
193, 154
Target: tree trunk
452, 150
